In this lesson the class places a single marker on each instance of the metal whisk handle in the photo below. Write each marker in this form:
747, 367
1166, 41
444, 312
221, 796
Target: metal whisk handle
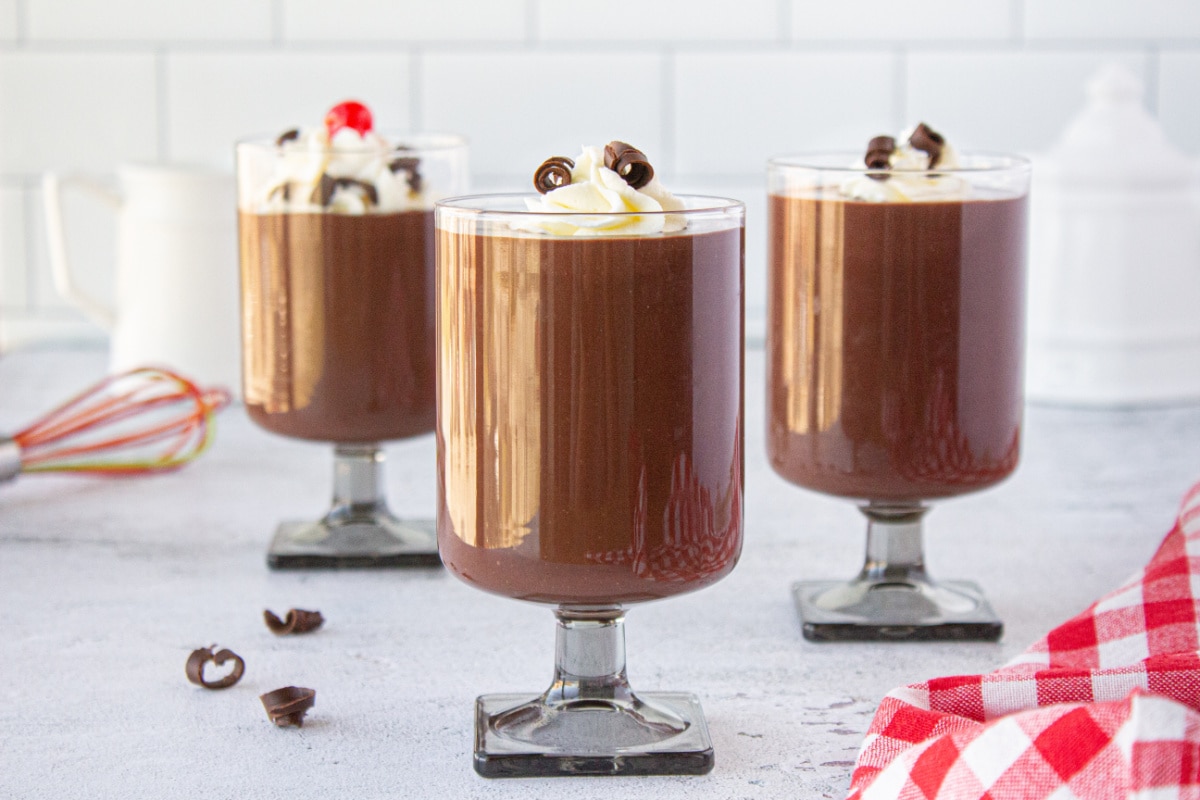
10, 458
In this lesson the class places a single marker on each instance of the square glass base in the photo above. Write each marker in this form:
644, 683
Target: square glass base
861, 610
662, 733
354, 545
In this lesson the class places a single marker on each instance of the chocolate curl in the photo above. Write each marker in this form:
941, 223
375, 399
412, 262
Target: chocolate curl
200, 657
879, 154
287, 706
287, 136
297, 620
628, 162
554, 173
410, 165
928, 141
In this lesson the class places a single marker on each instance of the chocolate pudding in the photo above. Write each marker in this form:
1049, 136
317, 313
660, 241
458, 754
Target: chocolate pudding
590, 412
338, 324
894, 347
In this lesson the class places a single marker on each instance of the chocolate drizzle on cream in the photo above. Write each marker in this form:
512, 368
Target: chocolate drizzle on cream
322, 194
628, 162
324, 191
411, 166
554, 173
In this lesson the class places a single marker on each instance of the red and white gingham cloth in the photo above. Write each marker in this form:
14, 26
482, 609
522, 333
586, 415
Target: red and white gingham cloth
1106, 706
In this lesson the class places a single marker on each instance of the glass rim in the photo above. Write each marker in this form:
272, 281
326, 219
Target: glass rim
429, 141
470, 203
994, 162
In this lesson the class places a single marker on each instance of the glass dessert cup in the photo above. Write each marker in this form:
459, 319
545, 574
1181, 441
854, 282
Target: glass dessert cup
894, 370
338, 325
589, 457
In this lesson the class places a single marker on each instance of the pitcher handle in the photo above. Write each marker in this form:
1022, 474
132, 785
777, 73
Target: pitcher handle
64, 280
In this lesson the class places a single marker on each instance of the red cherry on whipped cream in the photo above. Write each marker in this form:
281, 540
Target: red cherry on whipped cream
350, 114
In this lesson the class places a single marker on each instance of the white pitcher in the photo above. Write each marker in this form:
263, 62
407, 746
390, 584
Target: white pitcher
1114, 266
176, 269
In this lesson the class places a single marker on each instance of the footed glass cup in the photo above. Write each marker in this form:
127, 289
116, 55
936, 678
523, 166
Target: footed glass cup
894, 368
337, 278
589, 455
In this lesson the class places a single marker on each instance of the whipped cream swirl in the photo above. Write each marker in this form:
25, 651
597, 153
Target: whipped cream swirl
599, 202
909, 178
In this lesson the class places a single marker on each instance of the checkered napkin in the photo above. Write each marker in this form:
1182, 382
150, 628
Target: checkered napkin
1106, 706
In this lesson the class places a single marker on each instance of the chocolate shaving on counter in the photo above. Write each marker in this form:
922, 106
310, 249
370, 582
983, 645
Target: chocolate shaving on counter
408, 164
879, 153
287, 706
287, 136
323, 192
929, 141
554, 173
297, 620
628, 162
200, 657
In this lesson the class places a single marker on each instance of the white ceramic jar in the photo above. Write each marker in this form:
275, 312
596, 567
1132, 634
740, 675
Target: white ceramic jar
1114, 284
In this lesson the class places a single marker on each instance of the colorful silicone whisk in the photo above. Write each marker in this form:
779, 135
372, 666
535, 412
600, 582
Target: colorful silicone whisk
137, 422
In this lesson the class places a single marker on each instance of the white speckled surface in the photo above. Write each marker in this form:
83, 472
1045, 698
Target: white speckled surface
106, 586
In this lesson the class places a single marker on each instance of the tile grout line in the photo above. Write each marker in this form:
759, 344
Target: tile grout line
1017, 20
900, 89
667, 87
277, 22
1152, 91
162, 103
532, 11
22, 10
416, 63
31, 284
784, 21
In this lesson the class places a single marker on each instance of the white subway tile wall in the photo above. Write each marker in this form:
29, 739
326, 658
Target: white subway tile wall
456, 21
917, 21
8, 21
214, 98
518, 108
989, 99
150, 21
709, 88
670, 22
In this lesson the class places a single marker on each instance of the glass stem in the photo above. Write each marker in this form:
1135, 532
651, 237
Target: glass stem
358, 491
895, 549
589, 657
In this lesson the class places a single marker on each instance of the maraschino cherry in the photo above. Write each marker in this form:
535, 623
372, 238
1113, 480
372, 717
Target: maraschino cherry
350, 114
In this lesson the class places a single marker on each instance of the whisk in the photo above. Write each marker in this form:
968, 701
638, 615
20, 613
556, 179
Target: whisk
137, 422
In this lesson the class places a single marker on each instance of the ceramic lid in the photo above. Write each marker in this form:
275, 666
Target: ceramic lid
1113, 140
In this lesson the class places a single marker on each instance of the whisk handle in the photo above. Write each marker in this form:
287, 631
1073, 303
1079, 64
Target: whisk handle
10, 458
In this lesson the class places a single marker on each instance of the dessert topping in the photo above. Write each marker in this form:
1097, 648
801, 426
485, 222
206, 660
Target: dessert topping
553, 173
604, 190
929, 141
901, 169
879, 153
350, 114
287, 706
202, 656
628, 162
343, 166
297, 620
409, 165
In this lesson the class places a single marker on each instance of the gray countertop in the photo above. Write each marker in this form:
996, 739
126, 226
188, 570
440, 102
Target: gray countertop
107, 585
